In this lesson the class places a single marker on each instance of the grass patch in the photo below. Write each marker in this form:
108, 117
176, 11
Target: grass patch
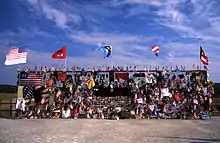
4, 113
5, 108
8, 89
7, 96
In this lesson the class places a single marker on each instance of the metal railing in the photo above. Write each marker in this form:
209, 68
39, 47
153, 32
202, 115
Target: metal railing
7, 108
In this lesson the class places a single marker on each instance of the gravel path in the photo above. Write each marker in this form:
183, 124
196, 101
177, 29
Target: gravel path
106, 131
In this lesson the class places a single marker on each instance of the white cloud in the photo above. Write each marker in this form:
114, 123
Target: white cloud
76, 18
22, 37
34, 2
201, 14
61, 18
149, 2
94, 38
170, 14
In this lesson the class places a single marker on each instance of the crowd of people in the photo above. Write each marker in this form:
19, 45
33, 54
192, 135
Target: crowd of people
162, 94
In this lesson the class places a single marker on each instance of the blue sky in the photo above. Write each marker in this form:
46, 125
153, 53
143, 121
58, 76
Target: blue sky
131, 27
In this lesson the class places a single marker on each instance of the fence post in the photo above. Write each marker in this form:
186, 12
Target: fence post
10, 108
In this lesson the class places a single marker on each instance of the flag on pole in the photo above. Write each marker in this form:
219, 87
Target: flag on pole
16, 56
203, 57
156, 50
60, 54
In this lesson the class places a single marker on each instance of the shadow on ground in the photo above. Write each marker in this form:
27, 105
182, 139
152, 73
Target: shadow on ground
193, 140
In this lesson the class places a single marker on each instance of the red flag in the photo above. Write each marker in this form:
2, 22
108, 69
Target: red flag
203, 57
155, 49
60, 54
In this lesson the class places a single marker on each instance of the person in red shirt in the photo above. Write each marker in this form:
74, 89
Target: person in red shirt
177, 96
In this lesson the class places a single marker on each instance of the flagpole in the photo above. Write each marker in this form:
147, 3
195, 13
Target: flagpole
157, 62
200, 57
200, 65
65, 64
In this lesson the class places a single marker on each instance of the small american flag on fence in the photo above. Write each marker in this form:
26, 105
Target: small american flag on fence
30, 78
16, 56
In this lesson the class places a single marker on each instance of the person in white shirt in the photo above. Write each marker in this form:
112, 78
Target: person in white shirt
66, 112
20, 104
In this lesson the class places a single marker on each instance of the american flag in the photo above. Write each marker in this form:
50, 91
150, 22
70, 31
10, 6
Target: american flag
16, 56
28, 92
156, 50
203, 57
30, 78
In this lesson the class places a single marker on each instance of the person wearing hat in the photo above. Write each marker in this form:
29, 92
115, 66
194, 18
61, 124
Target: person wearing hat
56, 113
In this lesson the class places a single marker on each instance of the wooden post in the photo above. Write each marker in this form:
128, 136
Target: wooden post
10, 108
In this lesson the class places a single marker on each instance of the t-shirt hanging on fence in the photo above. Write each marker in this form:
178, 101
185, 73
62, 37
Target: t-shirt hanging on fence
140, 101
61, 76
150, 79
177, 96
83, 78
165, 92
122, 76
90, 83
205, 90
59, 84
69, 78
20, 92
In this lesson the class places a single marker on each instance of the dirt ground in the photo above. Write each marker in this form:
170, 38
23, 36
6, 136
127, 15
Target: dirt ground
109, 131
